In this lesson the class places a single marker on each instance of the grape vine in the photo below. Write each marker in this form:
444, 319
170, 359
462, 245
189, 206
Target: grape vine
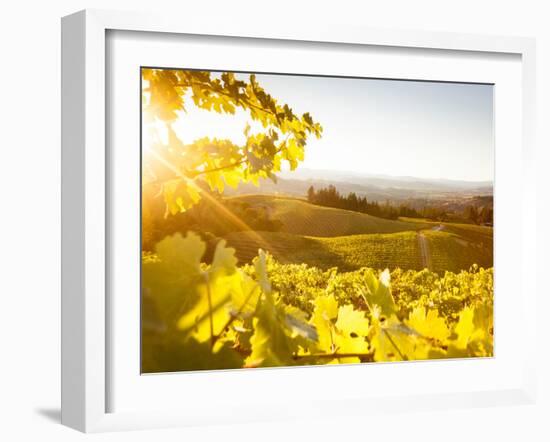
266, 314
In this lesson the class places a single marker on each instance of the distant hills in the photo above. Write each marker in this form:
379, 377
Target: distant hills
374, 187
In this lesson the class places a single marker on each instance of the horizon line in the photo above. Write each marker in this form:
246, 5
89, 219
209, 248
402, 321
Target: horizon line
371, 174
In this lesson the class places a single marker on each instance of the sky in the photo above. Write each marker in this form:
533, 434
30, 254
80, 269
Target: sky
371, 126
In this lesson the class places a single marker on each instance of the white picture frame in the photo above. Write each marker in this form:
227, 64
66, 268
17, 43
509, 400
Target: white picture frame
86, 353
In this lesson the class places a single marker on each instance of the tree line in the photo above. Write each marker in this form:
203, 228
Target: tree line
479, 215
330, 197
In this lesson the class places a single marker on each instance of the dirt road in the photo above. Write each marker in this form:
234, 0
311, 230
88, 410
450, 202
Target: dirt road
424, 251
425, 255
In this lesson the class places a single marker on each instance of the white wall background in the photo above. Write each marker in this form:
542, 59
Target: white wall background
30, 220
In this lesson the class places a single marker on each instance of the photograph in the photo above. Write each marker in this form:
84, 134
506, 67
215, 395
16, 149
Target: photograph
292, 220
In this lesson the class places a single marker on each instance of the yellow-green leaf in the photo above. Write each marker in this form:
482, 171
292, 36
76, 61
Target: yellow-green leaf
429, 325
351, 321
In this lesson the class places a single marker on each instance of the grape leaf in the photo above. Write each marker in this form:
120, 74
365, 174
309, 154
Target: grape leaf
261, 271
340, 330
244, 295
271, 344
170, 280
224, 261
211, 314
326, 310
429, 325
394, 341
351, 321
350, 345
377, 292
464, 328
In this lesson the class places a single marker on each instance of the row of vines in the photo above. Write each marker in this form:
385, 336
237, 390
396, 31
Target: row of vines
198, 316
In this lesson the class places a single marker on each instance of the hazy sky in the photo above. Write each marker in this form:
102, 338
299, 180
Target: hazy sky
403, 128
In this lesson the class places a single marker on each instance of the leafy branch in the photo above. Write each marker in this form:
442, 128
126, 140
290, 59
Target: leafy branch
218, 162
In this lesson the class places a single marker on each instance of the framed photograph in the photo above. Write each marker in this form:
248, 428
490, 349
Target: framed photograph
292, 222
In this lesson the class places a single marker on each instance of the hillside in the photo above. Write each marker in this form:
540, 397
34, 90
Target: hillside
436, 249
452, 252
345, 252
302, 218
481, 236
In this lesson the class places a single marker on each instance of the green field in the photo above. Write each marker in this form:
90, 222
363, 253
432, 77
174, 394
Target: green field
454, 246
325, 238
345, 252
302, 218
453, 252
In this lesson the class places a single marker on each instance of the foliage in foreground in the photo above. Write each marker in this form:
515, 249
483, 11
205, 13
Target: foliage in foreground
267, 314
274, 135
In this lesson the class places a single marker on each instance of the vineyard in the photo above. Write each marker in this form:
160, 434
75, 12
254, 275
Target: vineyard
320, 237
237, 273
268, 314
448, 251
454, 252
345, 252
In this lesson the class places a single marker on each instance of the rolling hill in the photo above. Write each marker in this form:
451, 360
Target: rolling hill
302, 218
345, 252
326, 237
446, 251
452, 252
